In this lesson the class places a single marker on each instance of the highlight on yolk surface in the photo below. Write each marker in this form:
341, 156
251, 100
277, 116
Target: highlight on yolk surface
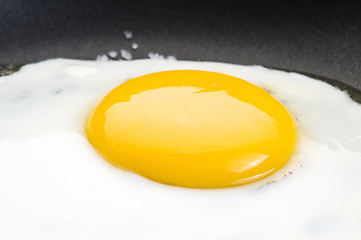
193, 129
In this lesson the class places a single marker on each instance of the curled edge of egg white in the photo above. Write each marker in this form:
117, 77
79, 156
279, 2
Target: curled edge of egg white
55, 186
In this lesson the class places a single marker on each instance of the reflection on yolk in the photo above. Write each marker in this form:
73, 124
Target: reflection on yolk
193, 129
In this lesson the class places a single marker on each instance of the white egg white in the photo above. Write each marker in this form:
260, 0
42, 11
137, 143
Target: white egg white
53, 185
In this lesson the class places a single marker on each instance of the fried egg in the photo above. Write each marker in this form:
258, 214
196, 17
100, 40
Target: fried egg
143, 149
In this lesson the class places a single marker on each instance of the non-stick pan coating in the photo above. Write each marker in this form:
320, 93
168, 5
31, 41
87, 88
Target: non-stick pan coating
321, 39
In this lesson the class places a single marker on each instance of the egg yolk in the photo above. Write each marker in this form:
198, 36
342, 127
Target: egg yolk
193, 129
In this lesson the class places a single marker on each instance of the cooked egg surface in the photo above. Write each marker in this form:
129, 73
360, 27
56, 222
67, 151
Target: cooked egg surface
54, 184
193, 129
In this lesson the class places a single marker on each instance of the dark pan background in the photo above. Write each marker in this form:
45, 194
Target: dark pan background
318, 38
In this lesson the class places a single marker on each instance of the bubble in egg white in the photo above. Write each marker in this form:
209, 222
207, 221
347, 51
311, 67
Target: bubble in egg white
55, 186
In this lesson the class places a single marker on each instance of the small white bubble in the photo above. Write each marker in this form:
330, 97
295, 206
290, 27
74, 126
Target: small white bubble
102, 58
126, 55
128, 34
153, 55
135, 46
112, 54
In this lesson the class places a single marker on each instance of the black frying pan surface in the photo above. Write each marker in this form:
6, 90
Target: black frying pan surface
320, 39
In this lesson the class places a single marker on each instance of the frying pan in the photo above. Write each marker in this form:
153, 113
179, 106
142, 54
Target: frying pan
321, 40
318, 39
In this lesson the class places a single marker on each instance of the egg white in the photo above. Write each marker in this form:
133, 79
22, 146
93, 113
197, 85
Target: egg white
55, 186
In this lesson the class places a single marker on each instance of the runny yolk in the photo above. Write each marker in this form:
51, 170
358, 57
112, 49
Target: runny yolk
193, 129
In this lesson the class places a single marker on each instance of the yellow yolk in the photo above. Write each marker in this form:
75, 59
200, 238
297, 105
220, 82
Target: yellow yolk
193, 129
